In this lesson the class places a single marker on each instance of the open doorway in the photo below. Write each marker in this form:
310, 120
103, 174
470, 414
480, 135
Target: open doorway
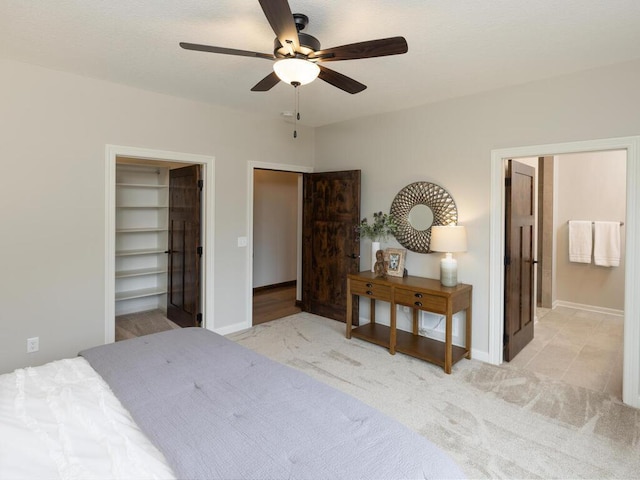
631, 322
149, 203
274, 186
579, 306
326, 247
277, 217
158, 246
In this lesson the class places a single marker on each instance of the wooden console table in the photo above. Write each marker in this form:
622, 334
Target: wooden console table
418, 293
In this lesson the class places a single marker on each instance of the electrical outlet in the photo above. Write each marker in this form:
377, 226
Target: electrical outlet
33, 344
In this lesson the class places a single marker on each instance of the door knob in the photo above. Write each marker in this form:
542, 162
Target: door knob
353, 255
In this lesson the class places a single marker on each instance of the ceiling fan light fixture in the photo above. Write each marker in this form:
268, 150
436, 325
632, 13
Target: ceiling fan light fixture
296, 70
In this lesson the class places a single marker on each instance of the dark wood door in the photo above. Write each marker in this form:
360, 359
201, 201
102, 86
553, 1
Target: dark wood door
183, 296
519, 261
330, 248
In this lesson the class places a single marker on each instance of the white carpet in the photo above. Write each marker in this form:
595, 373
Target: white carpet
496, 422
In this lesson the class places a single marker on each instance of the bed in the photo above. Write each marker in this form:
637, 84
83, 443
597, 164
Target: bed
192, 404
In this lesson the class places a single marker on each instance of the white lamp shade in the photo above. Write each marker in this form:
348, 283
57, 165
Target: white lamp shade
292, 70
450, 238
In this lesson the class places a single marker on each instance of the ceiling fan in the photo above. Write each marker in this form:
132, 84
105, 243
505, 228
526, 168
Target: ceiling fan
297, 55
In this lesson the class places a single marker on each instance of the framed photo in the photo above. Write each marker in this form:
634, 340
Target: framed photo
394, 257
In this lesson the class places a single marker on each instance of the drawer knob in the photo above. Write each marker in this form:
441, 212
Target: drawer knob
418, 295
369, 285
418, 304
369, 292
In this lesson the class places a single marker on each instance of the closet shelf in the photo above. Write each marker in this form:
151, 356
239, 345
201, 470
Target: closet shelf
143, 251
140, 185
142, 212
141, 230
140, 272
145, 292
143, 207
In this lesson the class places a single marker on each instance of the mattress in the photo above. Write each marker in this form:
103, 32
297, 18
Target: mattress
218, 410
191, 404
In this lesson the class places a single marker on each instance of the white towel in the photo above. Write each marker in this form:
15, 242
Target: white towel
580, 242
606, 244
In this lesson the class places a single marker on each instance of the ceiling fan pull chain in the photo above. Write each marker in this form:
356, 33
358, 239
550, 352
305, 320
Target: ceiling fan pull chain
297, 108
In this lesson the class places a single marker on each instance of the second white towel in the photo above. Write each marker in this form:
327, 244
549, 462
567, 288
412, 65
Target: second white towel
606, 244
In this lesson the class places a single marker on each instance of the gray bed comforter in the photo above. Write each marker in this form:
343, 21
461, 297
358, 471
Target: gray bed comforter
220, 411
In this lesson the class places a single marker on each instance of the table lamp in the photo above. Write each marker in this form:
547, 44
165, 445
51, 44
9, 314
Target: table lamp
449, 239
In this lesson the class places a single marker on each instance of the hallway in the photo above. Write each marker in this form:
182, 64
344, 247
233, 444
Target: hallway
273, 303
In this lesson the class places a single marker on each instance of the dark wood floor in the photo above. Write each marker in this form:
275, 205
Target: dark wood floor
142, 323
272, 303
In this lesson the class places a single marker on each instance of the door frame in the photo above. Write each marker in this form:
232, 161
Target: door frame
280, 167
631, 362
207, 231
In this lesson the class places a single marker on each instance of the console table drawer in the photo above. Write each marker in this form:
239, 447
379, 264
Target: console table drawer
370, 289
421, 300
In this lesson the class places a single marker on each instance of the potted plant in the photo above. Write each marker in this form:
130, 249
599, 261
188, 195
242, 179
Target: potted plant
382, 226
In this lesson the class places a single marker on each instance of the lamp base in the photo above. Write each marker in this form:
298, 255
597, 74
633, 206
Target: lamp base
449, 271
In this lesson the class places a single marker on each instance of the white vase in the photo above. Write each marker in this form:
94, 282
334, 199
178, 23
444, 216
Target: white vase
375, 246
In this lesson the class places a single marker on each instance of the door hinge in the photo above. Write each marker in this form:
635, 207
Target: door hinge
507, 261
507, 182
199, 251
200, 184
199, 319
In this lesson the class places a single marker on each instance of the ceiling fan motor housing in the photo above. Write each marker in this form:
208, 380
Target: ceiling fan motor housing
308, 44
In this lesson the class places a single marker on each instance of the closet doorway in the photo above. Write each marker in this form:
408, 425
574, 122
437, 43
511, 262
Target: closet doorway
159, 255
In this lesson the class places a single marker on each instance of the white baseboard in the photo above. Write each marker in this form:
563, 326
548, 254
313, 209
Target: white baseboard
590, 308
235, 328
480, 355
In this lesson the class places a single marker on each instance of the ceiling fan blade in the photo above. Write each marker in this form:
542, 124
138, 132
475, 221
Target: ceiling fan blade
343, 82
280, 18
369, 49
226, 51
267, 83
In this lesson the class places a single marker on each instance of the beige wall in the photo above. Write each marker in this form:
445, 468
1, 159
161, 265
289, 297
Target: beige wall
591, 186
52, 191
56, 125
450, 144
275, 227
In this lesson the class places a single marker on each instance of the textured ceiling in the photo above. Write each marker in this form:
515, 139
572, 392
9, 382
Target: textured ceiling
456, 47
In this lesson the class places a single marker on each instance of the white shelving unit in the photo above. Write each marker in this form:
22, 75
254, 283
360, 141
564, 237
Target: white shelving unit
142, 197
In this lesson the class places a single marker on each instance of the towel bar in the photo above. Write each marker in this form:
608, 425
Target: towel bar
621, 223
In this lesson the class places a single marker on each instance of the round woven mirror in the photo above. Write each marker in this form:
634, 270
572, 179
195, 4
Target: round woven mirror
416, 208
